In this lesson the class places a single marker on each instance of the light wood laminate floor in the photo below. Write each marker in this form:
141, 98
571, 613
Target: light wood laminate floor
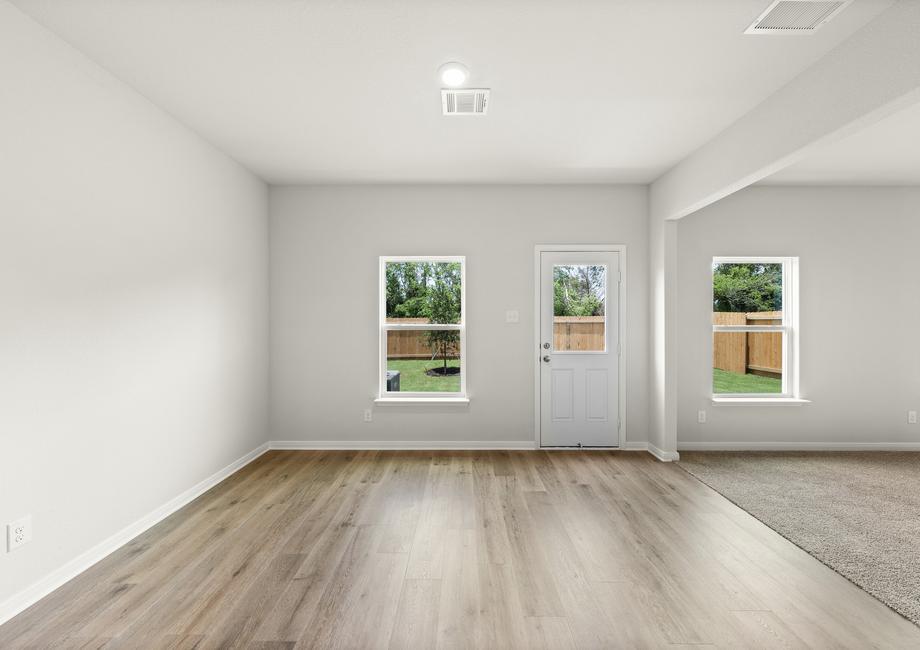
459, 549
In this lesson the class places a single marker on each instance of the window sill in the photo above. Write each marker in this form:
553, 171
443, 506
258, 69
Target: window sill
393, 401
768, 401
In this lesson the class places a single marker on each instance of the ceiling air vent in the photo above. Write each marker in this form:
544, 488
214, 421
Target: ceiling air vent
465, 101
796, 16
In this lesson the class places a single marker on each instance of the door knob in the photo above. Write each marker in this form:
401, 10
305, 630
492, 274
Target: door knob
546, 358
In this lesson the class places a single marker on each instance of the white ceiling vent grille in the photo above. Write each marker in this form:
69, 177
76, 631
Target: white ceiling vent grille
465, 101
796, 16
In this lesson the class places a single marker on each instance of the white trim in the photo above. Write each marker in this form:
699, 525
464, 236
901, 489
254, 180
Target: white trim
621, 315
400, 445
635, 445
35, 592
422, 326
759, 401
662, 455
749, 328
799, 446
392, 401
750, 259
423, 258
465, 445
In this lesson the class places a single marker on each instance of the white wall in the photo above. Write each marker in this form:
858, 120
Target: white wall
859, 313
133, 304
325, 244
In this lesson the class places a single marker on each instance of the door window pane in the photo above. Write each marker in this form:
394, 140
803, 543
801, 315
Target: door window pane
423, 361
579, 308
423, 292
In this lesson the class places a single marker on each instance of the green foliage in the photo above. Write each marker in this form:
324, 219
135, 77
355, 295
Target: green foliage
414, 307
747, 287
578, 290
443, 306
734, 382
407, 288
427, 290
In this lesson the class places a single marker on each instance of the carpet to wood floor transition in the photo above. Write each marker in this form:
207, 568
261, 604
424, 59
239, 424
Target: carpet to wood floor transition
857, 512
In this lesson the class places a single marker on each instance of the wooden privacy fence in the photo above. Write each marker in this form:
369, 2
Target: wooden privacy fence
569, 333
759, 353
410, 344
578, 333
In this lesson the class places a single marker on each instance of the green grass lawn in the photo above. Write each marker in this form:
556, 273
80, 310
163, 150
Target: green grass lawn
733, 382
412, 377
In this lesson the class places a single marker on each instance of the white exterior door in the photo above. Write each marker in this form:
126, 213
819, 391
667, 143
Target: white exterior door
579, 349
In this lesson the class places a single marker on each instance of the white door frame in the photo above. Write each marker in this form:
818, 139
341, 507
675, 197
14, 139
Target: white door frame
621, 317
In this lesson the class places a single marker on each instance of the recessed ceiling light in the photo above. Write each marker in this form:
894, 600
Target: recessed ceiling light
453, 74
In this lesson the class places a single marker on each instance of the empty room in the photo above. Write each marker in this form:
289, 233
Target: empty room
425, 324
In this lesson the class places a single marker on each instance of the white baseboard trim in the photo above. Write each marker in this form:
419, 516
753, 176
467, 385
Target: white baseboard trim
799, 446
405, 445
32, 594
636, 445
662, 455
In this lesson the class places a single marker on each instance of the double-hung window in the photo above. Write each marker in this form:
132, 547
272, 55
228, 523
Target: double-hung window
422, 329
754, 327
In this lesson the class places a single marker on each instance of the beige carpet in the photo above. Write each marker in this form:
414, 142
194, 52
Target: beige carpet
857, 512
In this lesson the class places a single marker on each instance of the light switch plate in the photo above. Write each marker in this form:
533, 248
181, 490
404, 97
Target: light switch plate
512, 316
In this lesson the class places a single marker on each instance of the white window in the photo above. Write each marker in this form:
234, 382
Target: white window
422, 328
754, 327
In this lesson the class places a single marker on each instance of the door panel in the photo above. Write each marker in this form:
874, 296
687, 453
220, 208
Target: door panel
579, 349
596, 394
563, 394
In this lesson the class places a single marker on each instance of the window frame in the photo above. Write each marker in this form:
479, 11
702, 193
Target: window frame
788, 328
384, 396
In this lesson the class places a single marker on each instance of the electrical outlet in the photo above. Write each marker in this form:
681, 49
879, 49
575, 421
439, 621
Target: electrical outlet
368, 415
512, 316
18, 532
701, 417
911, 417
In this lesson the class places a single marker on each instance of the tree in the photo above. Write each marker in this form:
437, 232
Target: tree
443, 306
578, 290
427, 290
747, 287
407, 289
396, 294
